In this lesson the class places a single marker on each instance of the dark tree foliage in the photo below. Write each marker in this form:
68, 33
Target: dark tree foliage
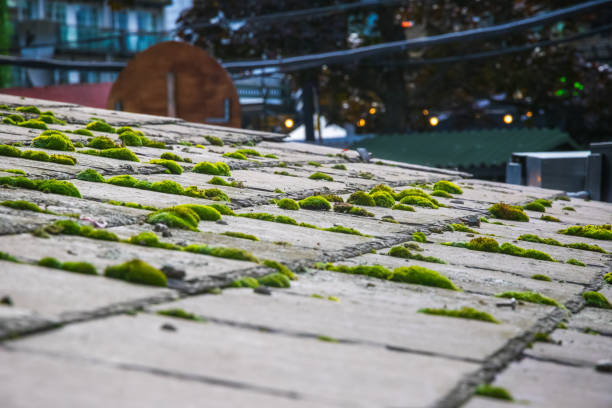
557, 83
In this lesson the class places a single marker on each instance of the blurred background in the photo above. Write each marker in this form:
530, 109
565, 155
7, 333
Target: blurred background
483, 86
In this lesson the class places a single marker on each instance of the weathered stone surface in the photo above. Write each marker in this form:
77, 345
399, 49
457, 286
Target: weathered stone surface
35, 380
573, 348
599, 320
58, 295
314, 370
268, 181
542, 384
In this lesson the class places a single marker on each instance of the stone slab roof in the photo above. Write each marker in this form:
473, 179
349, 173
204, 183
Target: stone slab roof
205, 318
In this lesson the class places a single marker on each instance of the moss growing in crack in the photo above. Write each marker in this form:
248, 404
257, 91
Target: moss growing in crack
418, 236
534, 206
10, 151
180, 314
306, 225
403, 207
129, 138
275, 280
344, 230
91, 175
353, 210
320, 176
50, 262
449, 187
83, 132
315, 203
484, 244
246, 282
222, 252
249, 152
222, 209
270, 156
544, 202
383, 199
508, 212
213, 140
403, 252
462, 228
22, 205
541, 277
80, 267
171, 165
549, 218
259, 216
531, 297
315, 164
9, 121
204, 212
327, 339
280, 268
100, 126
463, 313
361, 198
587, 247
383, 187
419, 201
175, 218
603, 232
15, 171
235, 155
422, 276
62, 159
576, 262
61, 187
509, 249
240, 235
568, 208
441, 193
487, 390
16, 118
120, 153
34, 124
339, 167
28, 109
288, 204
537, 239
137, 271
6, 257
53, 141
215, 169
283, 219
596, 299
100, 234
608, 278
150, 239
19, 181
124, 180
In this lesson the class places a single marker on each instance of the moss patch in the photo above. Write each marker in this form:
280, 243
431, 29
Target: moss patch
462, 228
216, 169
171, 165
280, 268
91, 175
28, 109
61, 187
137, 271
33, 124
315, 203
120, 153
608, 278
315, 164
6, 257
180, 314
549, 218
383, 199
490, 391
339, 167
150, 239
447, 186
535, 238
320, 176
403, 252
463, 313
361, 198
100, 126
422, 276
246, 282
507, 212
541, 277
240, 235
213, 140
534, 206
596, 299
403, 207
576, 262
419, 201
418, 236
102, 142
441, 193
344, 230
235, 155
22, 205
53, 140
50, 262
603, 232
531, 297
80, 267
275, 280
568, 209
288, 204
222, 252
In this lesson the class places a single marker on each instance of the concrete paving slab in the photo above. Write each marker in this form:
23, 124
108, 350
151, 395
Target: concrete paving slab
574, 348
312, 149
104, 253
599, 320
312, 369
35, 380
59, 295
268, 181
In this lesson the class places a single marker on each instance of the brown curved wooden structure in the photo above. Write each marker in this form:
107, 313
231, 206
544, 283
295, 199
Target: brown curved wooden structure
177, 79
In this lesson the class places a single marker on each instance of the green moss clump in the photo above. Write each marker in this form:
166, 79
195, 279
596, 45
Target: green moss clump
68, 227
222, 252
509, 249
568, 209
531, 297
6, 257
315, 164
175, 217
537, 239
150, 239
332, 198
59, 187
22, 205
576, 262
462, 228
80, 267
418, 236
240, 235
403, 252
539, 276
9, 121
50, 262
608, 278
361, 198
463, 313
283, 219
246, 282
484, 244
508, 212
83, 132
288, 204
259, 216
235, 155
129, 138
28, 109
339, 167
100, 126
205, 212
362, 212
171, 165
216, 195
534, 206
35, 155
441, 193
91, 175
34, 124
53, 141
62, 159
137, 271
280, 268
16, 118
383, 199
124, 180
544, 202
19, 181
102, 143
306, 225
213, 140
275, 280
223, 209
271, 156
383, 187
180, 314
218, 181
216, 169
121, 153
6, 150
123, 129
315, 203
448, 186
100, 234
421, 276
603, 232
15, 171
403, 207
419, 201
344, 230
587, 247
320, 176
487, 390
596, 299
49, 119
